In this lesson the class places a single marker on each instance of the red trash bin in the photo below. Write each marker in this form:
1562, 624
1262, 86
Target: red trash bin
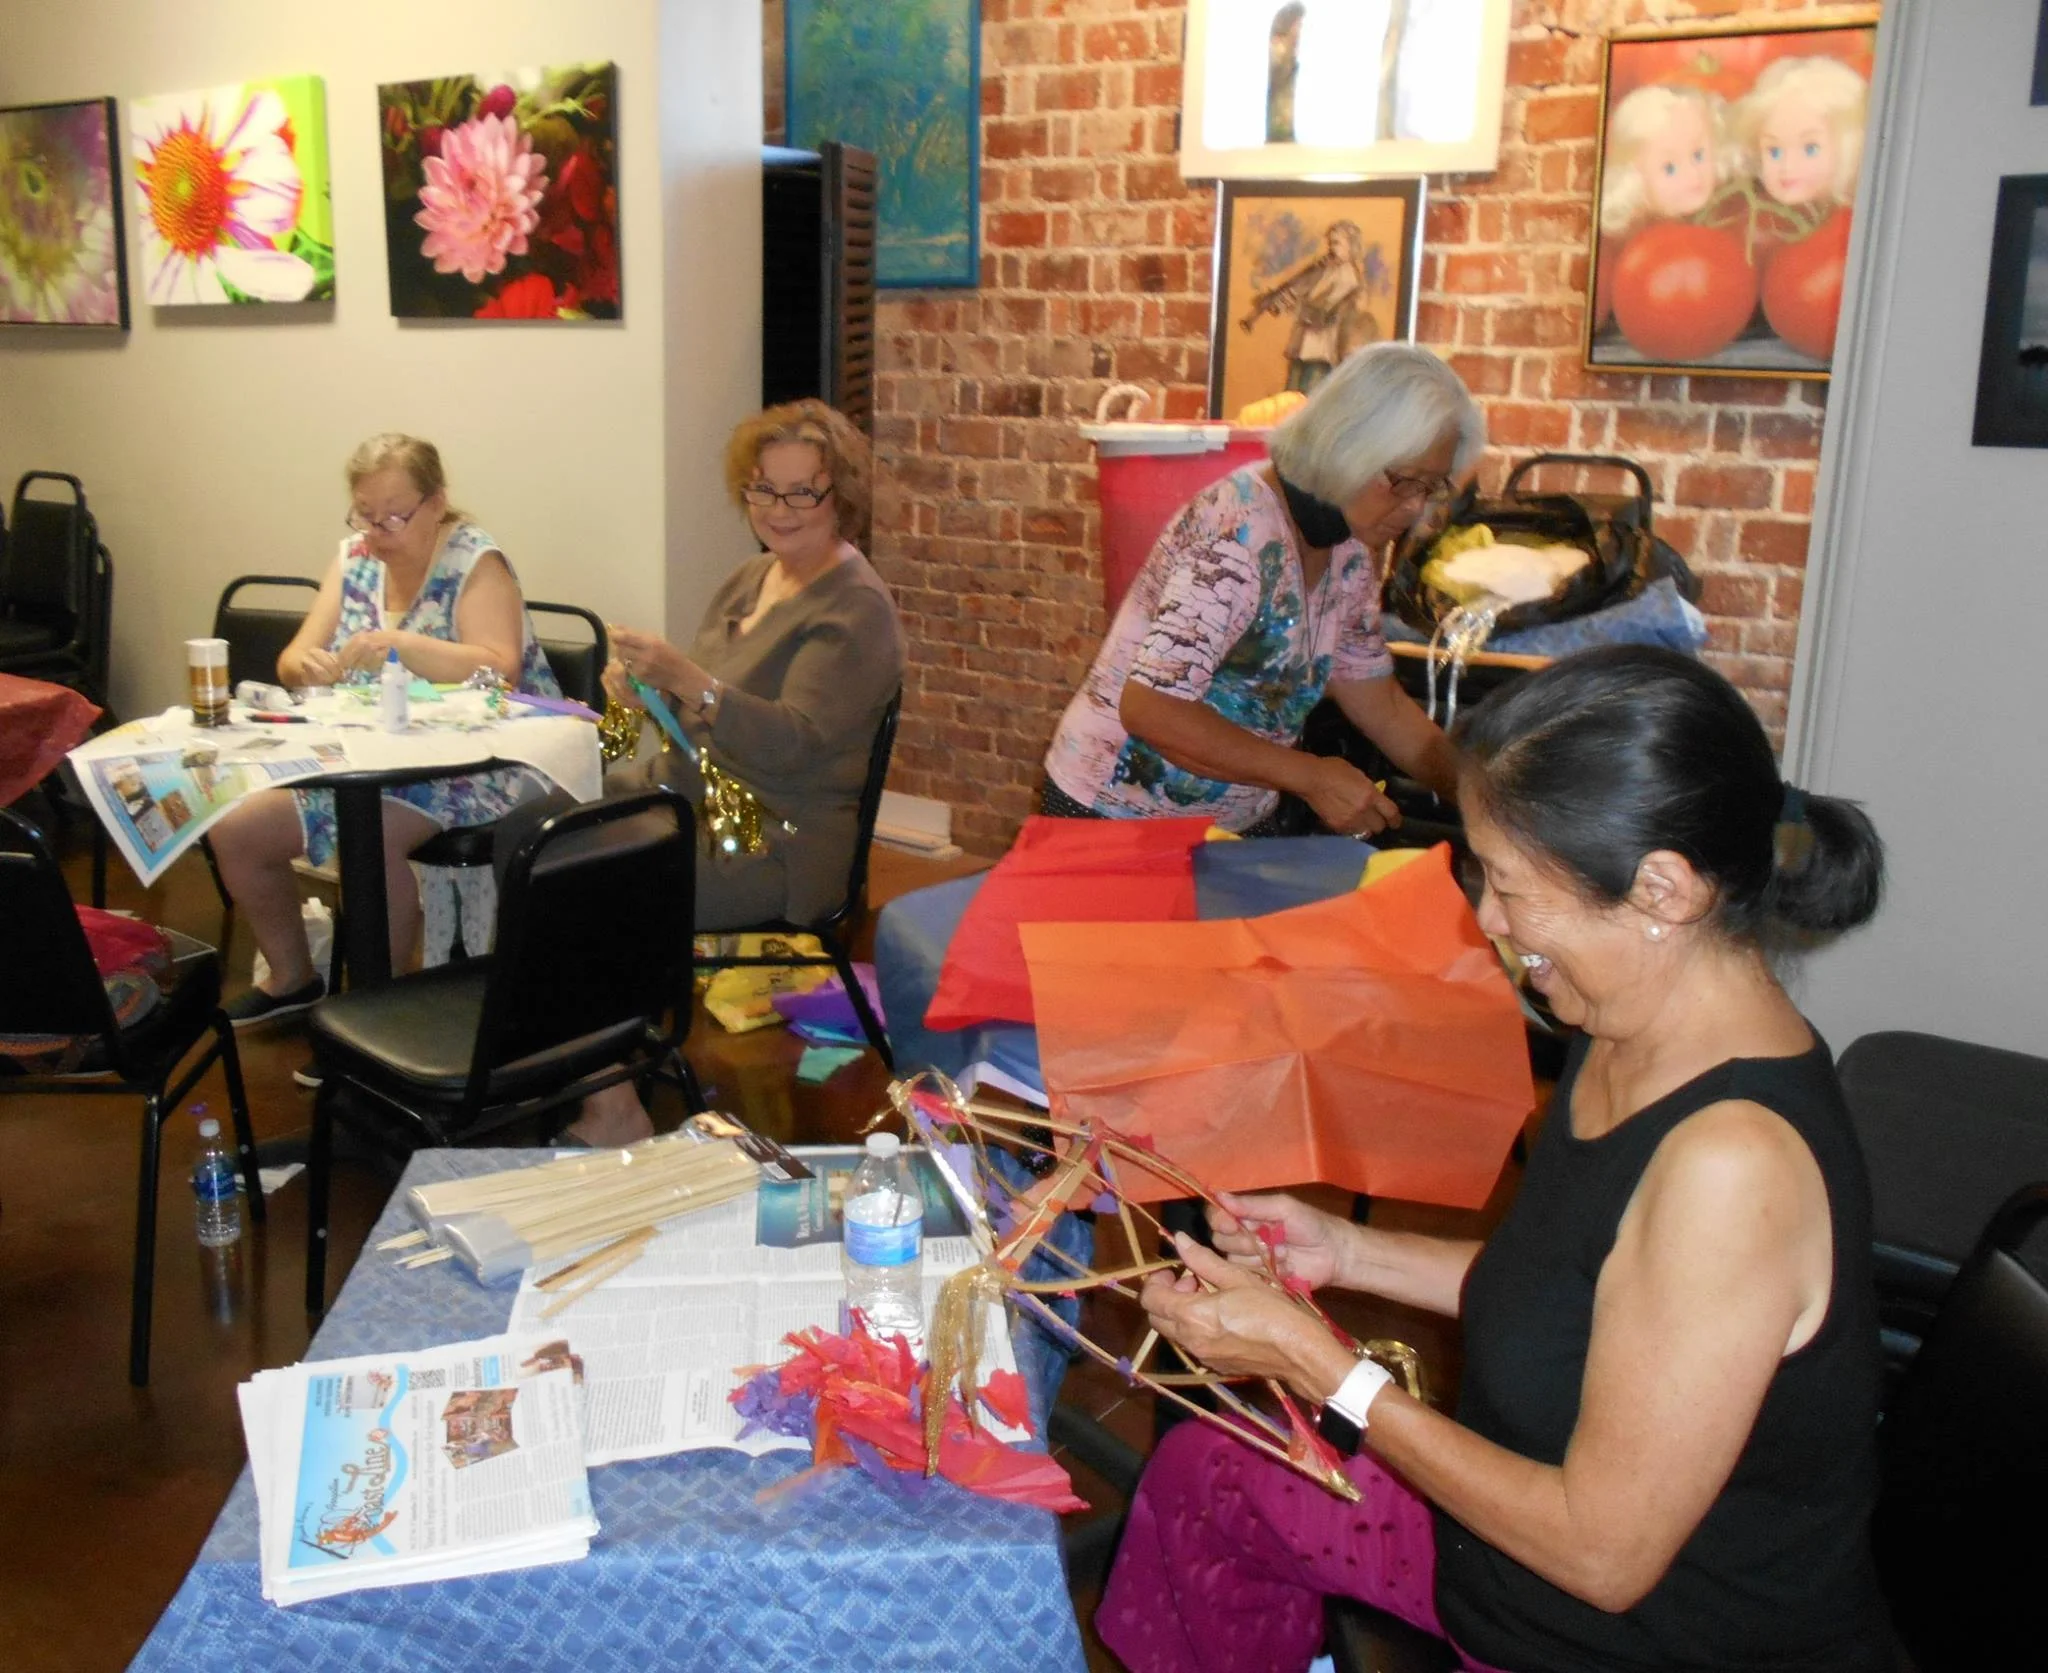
1147, 472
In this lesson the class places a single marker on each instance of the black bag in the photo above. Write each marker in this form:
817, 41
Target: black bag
1614, 530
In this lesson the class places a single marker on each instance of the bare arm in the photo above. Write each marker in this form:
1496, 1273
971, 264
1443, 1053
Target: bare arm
1409, 738
307, 660
1195, 737
489, 623
1720, 1268
1322, 1250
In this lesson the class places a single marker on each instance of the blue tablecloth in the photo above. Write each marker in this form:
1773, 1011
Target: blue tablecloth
688, 1571
1232, 880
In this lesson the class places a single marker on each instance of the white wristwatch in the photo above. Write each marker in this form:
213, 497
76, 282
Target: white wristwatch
1343, 1420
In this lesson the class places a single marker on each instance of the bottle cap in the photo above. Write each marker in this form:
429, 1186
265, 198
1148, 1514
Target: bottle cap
883, 1145
209, 1128
391, 655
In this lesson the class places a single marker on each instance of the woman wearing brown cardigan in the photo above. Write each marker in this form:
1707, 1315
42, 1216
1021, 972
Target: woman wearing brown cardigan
784, 684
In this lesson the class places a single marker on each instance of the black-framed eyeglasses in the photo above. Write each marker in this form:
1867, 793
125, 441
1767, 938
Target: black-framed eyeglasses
1426, 490
394, 524
806, 498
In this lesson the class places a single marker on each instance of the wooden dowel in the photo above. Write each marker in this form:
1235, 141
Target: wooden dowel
555, 1279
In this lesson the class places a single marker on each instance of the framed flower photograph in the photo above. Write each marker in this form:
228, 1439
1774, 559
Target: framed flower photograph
2012, 373
902, 80
61, 253
1728, 167
501, 194
232, 199
1307, 274
1283, 89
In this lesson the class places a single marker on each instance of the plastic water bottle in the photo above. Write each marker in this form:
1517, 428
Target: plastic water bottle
394, 705
214, 1202
883, 1252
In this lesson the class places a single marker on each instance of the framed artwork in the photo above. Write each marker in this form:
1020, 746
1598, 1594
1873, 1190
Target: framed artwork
1728, 169
1282, 89
2012, 372
902, 80
61, 254
232, 200
2041, 57
501, 194
1307, 273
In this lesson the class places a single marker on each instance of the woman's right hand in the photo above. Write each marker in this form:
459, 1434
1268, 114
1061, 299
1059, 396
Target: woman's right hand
315, 665
1346, 800
1300, 1237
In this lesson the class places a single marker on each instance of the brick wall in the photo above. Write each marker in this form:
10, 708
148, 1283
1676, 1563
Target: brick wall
1095, 268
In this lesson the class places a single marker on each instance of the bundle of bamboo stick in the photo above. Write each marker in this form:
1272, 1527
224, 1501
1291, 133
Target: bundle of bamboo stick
499, 1224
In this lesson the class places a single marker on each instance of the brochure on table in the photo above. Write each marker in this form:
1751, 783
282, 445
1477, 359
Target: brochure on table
158, 784
395, 1468
664, 1344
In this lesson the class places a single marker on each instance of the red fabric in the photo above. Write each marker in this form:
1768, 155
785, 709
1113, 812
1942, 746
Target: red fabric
1371, 1041
40, 724
1061, 871
120, 943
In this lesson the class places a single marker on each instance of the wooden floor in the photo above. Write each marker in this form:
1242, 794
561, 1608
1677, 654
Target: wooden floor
106, 1491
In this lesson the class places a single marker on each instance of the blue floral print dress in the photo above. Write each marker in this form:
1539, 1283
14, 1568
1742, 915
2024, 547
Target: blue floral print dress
449, 801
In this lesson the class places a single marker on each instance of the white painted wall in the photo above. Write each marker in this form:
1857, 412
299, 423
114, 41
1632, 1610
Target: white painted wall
1921, 687
211, 440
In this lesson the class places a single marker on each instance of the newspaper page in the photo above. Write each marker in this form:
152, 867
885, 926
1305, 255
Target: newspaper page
395, 1468
665, 1342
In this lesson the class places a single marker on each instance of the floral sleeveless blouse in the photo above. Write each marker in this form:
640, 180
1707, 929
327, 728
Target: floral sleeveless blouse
478, 800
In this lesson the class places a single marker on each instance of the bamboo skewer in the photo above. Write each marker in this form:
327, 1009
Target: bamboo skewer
554, 1280
623, 1255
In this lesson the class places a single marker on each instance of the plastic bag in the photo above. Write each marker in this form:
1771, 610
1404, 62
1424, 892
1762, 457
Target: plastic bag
1372, 1041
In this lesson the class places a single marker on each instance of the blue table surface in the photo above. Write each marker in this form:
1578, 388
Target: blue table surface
688, 1570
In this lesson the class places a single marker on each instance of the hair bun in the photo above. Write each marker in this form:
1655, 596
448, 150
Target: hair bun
1829, 867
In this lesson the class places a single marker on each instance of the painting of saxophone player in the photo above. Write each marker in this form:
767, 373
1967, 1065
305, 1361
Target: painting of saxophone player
1308, 274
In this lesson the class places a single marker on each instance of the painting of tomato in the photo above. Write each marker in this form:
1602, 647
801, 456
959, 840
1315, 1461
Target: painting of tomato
1729, 162
1802, 288
1683, 292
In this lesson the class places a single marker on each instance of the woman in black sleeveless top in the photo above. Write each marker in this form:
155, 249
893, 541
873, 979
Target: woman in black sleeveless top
1664, 1451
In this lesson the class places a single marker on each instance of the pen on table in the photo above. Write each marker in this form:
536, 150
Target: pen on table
268, 718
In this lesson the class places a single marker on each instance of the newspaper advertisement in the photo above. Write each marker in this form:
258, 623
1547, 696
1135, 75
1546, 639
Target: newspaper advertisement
665, 1342
395, 1468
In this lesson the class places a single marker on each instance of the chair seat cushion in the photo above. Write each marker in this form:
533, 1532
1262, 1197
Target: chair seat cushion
420, 1031
460, 845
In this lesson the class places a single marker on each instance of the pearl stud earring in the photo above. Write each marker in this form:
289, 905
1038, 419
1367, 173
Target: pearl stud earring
1655, 932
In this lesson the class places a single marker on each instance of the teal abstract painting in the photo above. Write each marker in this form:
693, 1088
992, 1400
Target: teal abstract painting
900, 78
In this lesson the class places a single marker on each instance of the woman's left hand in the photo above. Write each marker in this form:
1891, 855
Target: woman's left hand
1242, 1326
656, 662
368, 650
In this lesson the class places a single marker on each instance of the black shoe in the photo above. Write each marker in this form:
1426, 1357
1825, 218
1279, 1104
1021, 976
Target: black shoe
309, 1076
257, 1006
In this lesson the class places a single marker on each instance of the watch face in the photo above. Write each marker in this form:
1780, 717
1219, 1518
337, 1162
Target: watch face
1340, 1431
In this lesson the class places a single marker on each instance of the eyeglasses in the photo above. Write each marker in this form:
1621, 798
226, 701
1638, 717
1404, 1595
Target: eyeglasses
797, 499
1429, 490
394, 524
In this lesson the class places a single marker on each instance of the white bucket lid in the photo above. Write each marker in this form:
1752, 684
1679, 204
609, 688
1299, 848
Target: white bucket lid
1122, 440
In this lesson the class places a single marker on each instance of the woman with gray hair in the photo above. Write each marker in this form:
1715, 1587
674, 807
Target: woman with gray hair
1262, 596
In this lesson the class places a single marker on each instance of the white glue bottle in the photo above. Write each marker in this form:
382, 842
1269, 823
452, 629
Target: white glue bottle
394, 707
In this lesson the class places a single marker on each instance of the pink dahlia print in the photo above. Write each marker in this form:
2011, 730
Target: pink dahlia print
482, 197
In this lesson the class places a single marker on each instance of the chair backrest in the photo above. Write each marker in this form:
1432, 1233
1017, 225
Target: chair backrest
258, 633
595, 918
870, 810
1960, 1533
49, 556
578, 663
48, 982
1949, 1130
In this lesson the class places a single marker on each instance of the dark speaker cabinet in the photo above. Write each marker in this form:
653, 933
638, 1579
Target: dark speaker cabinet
818, 278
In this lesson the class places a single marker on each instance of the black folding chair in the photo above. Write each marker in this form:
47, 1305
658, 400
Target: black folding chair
49, 985
258, 633
56, 590
836, 928
595, 917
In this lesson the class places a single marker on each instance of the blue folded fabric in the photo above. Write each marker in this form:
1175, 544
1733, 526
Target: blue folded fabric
1270, 874
1658, 615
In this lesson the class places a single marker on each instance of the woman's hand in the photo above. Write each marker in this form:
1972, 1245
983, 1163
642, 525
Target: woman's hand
618, 685
1346, 800
1242, 1326
368, 650
656, 662
316, 665
1304, 1244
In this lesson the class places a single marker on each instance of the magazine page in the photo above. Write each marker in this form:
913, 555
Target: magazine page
394, 1468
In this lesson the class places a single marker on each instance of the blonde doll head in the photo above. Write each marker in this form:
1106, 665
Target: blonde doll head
1801, 129
1667, 151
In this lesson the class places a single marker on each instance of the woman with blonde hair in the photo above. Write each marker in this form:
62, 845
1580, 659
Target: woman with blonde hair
1801, 130
417, 577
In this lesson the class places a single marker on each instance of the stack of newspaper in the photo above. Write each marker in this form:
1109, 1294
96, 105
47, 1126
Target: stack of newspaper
395, 1468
